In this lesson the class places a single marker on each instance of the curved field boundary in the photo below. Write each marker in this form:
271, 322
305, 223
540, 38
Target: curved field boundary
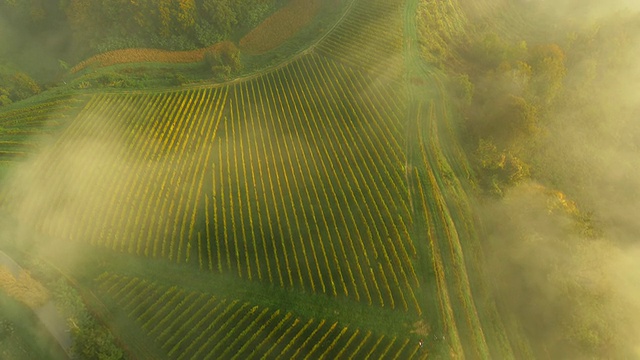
300, 53
194, 325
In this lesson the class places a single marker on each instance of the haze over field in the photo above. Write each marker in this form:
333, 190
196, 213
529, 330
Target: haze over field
555, 259
548, 111
57, 186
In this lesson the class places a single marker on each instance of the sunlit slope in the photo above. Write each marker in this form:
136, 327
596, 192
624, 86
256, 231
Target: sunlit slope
326, 177
370, 38
293, 178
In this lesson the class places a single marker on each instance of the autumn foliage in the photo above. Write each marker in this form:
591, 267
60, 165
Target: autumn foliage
280, 26
268, 35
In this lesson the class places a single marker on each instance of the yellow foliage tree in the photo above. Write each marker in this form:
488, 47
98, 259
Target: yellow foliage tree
186, 14
164, 12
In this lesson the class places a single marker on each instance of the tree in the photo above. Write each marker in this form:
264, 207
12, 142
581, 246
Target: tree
91, 340
220, 15
16, 86
22, 86
548, 65
500, 168
4, 97
186, 14
164, 16
81, 16
95, 342
223, 60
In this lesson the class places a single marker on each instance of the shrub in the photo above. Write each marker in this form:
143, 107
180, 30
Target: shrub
223, 61
16, 86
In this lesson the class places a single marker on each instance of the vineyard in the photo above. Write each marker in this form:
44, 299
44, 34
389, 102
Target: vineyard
374, 28
321, 177
192, 325
21, 129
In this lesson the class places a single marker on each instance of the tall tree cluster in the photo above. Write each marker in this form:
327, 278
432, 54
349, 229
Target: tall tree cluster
101, 25
169, 24
39, 38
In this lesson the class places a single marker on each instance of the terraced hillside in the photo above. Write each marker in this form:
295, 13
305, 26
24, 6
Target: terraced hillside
331, 182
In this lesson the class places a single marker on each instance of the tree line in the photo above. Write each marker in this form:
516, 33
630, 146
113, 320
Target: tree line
98, 26
41, 37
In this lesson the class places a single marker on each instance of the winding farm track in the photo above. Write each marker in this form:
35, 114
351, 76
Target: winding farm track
439, 172
442, 182
334, 178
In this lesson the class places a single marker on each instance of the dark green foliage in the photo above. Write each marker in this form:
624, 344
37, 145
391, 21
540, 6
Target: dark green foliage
5, 97
549, 110
220, 15
16, 86
223, 62
35, 35
91, 340
39, 36
111, 79
22, 336
172, 25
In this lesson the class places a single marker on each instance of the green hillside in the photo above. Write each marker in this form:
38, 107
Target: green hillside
319, 209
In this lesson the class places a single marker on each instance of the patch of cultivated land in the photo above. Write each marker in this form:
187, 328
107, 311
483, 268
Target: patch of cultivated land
318, 200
